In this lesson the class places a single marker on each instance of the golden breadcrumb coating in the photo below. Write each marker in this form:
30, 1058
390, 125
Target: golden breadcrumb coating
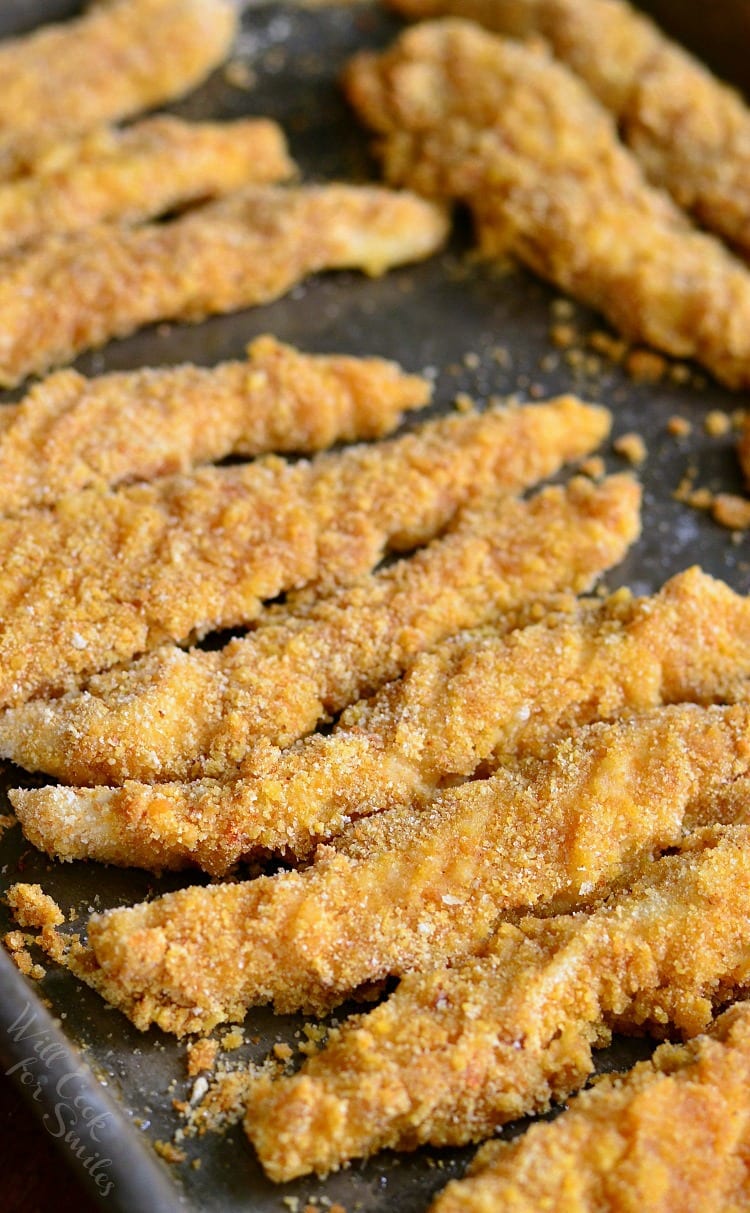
155, 719
177, 714
460, 113
413, 889
455, 1053
72, 292
690, 132
449, 713
672, 1134
116, 59
105, 575
70, 432
144, 170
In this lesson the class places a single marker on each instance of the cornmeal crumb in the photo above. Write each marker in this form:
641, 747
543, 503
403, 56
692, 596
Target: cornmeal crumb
169, 1151
201, 1055
32, 907
679, 427
646, 366
239, 74
631, 447
563, 309
717, 423
732, 511
282, 1051
563, 335
614, 348
700, 499
232, 1040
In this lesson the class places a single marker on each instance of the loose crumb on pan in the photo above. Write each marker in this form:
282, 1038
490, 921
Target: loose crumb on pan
201, 1055
646, 366
32, 907
564, 335
679, 427
169, 1152
613, 348
632, 447
16, 944
731, 511
240, 74
717, 423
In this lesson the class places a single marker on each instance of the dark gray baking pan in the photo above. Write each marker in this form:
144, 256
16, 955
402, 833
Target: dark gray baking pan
429, 316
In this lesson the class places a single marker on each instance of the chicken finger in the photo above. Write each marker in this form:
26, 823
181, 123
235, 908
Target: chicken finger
132, 174
458, 705
181, 715
116, 59
460, 113
455, 1053
68, 293
70, 432
672, 1134
106, 575
413, 890
690, 132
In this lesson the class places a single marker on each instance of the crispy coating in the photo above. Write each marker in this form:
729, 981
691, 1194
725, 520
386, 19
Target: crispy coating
116, 59
455, 1053
191, 549
463, 114
72, 292
184, 715
108, 574
690, 132
132, 174
450, 712
70, 432
674, 1133
410, 890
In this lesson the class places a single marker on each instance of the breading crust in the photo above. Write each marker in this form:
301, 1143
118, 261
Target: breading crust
106, 575
128, 175
116, 59
68, 293
672, 1134
453, 709
70, 432
412, 890
457, 1052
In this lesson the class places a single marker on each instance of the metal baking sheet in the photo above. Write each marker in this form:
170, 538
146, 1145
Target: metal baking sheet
448, 314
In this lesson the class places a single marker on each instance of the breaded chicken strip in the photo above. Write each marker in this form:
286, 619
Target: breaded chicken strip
456, 706
177, 714
460, 113
68, 293
410, 890
672, 1134
70, 432
106, 575
690, 132
132, 174
116, 59
455, 1053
